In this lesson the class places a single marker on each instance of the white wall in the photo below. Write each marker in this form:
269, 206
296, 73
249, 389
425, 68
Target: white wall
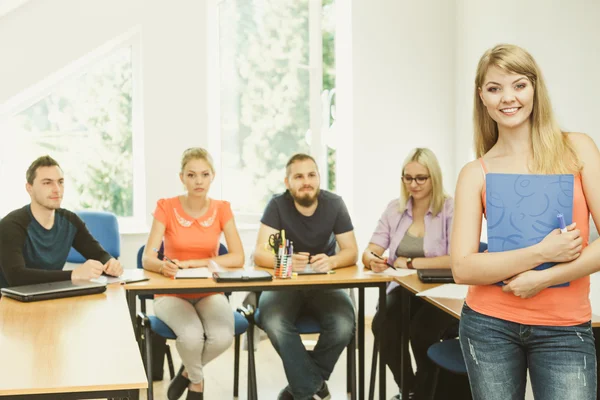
403, 64
43, 36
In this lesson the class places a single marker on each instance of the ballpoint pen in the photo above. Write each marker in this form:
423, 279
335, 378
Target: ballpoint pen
381, 258
163, 255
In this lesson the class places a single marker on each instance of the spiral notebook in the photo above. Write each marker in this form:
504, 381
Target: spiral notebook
521, 210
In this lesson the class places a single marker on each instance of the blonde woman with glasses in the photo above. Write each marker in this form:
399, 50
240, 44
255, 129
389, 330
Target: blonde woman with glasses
415, 230
527, 324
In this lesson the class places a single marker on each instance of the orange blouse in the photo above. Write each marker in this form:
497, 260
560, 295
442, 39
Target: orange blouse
563, 306
187, 238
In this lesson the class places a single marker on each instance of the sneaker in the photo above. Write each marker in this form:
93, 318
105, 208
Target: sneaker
191, 395
323, 393
285, 394
178, 385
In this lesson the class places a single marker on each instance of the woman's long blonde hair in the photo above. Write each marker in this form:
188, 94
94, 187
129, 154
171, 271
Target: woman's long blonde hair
426, 158
551, 148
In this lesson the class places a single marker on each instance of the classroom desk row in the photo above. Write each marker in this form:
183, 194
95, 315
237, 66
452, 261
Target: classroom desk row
348, 277
412, 285
72, 348
85, 347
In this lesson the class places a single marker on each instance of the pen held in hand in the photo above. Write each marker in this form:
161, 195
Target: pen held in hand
164, 256
381, 258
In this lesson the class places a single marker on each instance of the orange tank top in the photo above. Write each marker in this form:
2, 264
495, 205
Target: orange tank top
563, 306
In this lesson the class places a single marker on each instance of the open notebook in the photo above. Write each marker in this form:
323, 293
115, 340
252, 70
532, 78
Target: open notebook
193, 273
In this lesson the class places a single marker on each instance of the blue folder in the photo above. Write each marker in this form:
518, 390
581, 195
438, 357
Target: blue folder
521, 209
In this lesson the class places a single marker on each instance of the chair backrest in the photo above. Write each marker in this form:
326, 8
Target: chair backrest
104, 227
222, 250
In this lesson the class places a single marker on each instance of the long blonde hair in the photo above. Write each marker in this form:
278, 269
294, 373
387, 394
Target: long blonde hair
551, 148
426, 158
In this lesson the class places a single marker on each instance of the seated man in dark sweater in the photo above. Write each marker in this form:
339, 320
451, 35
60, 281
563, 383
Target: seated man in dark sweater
35, 240
314, 220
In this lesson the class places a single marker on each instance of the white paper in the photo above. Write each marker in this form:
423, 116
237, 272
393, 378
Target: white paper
394, 272
202, 272
128, 274
447, 291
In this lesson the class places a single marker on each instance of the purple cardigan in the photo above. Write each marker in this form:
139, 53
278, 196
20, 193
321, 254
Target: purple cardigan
393, 225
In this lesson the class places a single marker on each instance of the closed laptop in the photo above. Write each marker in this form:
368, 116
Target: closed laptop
442, 275
52, 290
242, 276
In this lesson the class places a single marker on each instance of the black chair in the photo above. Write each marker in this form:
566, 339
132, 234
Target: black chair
152, 325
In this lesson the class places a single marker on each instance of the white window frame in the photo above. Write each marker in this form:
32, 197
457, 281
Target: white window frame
28, 97
318, 147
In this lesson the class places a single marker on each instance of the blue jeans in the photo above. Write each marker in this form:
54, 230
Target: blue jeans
306, 371
561, 359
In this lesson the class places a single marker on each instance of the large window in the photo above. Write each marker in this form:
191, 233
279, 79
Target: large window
276, 94
85, 122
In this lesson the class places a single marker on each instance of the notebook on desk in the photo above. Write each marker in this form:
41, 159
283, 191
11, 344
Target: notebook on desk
521, 210
52, 290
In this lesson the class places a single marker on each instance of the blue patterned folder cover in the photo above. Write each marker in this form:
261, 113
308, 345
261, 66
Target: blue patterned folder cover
521, 209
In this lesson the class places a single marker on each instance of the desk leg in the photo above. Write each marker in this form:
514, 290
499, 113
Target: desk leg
404, 339
361, 343
131, 305
382, 367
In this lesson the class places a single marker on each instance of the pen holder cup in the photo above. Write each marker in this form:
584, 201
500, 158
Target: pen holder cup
283, 266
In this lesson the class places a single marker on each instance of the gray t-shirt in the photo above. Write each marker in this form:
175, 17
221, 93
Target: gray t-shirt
314, 234
410, 246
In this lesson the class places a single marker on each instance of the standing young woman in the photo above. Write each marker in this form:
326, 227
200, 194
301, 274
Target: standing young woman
191, 226
504, 331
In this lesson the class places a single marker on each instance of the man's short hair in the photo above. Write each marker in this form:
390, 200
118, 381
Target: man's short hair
43, 161
298, 157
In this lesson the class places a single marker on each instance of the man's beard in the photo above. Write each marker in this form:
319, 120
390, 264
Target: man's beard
306, 200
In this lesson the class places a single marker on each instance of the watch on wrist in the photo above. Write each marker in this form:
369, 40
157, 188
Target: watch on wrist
409, 263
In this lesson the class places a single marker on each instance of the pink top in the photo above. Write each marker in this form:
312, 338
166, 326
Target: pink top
393, 225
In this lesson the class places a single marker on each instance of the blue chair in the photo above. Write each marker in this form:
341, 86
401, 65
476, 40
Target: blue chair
104, 227
447, 354
150, 324
305, 324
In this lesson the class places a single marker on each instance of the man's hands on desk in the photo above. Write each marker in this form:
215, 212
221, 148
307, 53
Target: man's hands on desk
92, 269
319, 263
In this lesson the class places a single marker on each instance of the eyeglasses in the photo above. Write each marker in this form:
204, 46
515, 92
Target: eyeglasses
421, 179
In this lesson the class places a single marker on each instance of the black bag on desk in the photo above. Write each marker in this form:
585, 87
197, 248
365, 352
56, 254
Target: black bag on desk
442, 275
159, 349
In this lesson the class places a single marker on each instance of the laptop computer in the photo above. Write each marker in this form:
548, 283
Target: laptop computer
242, 276
442, 275
52, 290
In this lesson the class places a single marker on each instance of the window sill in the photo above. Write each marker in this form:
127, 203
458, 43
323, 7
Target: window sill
131, 226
